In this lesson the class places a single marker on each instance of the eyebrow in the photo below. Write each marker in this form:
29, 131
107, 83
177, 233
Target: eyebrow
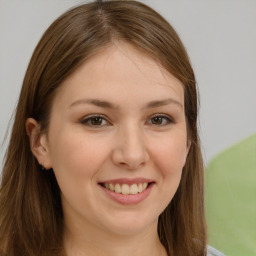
106, 104
96, 102
159, 103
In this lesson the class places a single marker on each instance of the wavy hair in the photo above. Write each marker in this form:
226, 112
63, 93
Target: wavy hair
31, 218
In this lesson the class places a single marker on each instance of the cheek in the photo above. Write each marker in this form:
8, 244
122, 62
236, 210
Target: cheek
75, 157
169, 157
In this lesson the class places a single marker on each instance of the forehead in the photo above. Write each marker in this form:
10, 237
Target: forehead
121, 70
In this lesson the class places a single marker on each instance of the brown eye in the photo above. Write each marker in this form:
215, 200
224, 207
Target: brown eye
95, 121
157, 120
160, 120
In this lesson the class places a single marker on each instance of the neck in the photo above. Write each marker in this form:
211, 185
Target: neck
89, 241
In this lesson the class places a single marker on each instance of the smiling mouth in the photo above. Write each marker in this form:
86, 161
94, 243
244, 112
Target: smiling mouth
126, 189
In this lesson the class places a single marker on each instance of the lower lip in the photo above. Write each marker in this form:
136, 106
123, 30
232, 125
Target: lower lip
128, 199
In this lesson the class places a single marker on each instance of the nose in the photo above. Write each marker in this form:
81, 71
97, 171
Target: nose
130, 149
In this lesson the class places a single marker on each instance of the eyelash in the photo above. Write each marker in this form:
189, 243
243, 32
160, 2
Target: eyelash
88, 120
168, 120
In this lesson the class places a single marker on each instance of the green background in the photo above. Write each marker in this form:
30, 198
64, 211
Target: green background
231, 199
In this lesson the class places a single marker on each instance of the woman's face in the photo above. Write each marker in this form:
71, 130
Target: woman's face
117, 141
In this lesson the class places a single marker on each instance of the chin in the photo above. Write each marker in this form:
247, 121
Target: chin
129, 224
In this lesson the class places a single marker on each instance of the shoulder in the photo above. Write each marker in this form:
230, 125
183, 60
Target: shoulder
213, 252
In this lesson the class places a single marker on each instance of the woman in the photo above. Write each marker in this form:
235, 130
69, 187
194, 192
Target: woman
104, 156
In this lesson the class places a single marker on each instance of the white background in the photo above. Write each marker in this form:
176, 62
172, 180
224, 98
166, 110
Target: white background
220, 36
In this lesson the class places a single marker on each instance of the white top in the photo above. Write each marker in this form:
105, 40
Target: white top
213, 252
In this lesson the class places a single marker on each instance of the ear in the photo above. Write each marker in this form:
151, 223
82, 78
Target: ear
38, 143
187, 151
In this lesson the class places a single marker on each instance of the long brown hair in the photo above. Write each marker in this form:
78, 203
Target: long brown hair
30, 205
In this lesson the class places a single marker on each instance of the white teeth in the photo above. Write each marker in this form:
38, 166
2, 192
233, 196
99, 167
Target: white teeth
111, 187
125, 189
118, 189
134, 189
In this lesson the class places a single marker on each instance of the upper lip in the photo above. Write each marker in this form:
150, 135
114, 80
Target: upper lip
128, 181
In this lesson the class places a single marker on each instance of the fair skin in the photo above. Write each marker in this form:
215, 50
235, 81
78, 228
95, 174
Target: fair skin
116, 123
